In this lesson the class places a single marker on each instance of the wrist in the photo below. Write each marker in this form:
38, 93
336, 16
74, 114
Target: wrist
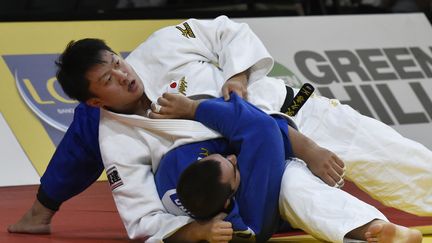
200, 232
308, 151
240, 77
193, 108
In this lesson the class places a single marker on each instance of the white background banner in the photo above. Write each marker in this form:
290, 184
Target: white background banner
379, 64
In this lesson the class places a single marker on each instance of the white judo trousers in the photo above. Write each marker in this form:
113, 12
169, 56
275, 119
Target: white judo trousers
393, 169
326, 212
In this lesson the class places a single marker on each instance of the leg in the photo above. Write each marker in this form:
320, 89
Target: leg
377, 157
323, 211
385, 232
36, 220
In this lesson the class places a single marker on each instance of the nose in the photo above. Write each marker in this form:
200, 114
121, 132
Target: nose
121, 76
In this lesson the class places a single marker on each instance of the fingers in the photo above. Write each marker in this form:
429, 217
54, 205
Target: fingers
222, 230
220, 216
158, 108
329, 180
225, 93
336, 179
152, 115
340, 183
333, 178
155, 107
236, 87
339, 161
338, 165
338, 172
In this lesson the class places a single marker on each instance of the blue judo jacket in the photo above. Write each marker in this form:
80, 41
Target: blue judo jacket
261, 144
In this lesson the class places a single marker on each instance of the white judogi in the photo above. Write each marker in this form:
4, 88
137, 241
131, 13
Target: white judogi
199, 63
134, 144
392, 169
325, 212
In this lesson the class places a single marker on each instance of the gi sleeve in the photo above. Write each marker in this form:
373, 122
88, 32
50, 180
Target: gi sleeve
130, 175
259, 146
76, 163
234, 45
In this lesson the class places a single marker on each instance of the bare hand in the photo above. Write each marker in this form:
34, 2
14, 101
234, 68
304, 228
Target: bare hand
327, 166
171, 106
218, 230
322, 162
236, 84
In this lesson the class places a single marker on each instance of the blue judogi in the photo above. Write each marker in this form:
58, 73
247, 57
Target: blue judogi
261, 144
77, 162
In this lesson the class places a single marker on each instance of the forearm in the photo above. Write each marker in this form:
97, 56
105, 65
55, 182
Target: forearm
302, 146
214, 230
240, 77
236, 83
235, 46
192, 232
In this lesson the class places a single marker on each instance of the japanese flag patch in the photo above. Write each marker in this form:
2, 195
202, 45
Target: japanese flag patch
173, 87
114, 178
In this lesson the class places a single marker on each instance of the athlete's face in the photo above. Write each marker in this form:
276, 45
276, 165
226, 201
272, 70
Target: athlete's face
115, 84
229, 169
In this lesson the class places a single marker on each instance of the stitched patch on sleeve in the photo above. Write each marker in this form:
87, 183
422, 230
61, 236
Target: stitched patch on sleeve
187, 31
114, 178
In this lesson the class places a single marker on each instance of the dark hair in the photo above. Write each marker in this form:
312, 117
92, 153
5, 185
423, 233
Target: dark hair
73, 64
201, 191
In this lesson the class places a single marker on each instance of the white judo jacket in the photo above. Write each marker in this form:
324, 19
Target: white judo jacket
194, 58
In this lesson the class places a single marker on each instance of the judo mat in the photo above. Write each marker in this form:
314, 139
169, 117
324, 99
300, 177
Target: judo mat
91, 217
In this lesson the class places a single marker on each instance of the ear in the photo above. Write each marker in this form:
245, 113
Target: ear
95, 102
227, 203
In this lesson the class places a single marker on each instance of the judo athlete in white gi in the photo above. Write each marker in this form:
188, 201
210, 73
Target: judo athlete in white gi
202, 58
305, 201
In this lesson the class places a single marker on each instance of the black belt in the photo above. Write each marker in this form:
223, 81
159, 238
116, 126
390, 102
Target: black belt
288, 99
293, 104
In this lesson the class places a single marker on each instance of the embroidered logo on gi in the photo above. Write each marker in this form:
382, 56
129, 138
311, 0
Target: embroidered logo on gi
114, 178
173, 87
182, 86
205, 152
187, 31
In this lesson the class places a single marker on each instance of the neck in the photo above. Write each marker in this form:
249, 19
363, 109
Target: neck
143, 105
140, 108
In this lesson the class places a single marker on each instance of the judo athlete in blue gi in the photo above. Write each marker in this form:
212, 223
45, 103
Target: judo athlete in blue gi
248, 185
261, 148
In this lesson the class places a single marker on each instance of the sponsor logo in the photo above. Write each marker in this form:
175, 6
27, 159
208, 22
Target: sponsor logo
389, 84
34, 77
182, 86
282, 72
187, 31
36, 83
172, 204
114, 178
204, 152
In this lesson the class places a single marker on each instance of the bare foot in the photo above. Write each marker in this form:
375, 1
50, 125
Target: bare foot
35, 221
385, 232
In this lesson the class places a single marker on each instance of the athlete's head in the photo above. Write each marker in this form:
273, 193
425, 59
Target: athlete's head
206, 187
91, 72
